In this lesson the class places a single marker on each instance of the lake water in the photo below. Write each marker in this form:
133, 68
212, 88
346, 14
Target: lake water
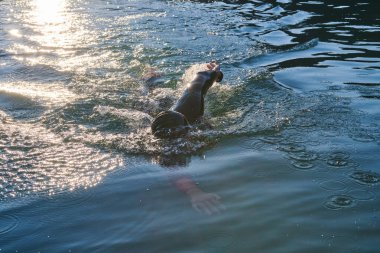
293, 151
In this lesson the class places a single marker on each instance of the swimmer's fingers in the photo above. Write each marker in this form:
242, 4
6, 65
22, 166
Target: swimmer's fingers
202, 208
209, 204
216, 196
197, 207
215, 201
210, 66
214, 208
213, 66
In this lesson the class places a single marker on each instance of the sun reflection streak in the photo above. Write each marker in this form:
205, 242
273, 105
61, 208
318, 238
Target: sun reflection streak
50, 94
49, 11
52, 21
57, 36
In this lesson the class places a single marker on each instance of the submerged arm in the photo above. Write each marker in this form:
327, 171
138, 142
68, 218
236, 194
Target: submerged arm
201, 201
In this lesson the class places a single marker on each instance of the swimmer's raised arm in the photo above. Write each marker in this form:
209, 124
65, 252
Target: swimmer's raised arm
190, 107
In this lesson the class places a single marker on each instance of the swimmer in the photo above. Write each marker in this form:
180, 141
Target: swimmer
190, 107
188, 110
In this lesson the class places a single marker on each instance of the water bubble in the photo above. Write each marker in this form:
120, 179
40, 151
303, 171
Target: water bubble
365, 177
337, 202
338, 159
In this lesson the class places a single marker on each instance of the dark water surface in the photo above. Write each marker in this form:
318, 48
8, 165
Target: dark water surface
293, 151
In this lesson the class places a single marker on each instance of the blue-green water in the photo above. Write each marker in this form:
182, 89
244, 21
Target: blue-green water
292, 152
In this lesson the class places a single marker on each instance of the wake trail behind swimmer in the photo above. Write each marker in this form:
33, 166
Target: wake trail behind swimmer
190, 107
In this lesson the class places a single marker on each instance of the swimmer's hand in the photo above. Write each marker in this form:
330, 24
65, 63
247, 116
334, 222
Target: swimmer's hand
203, 202
206, 203
215, 66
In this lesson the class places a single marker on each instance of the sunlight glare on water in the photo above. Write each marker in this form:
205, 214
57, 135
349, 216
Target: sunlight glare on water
49, 12
287, 149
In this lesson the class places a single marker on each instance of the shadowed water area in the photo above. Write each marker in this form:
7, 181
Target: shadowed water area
290, 139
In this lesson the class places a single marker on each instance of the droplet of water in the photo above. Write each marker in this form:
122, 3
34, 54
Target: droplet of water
366, 177
337, 202
338, 159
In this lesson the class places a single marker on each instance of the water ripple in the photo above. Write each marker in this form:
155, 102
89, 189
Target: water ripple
336, 202
364, 195
8, 223
338, 159
366, 177
333, 185
302, 165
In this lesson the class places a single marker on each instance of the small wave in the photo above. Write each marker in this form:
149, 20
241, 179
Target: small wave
50, 94
305, 46
271, 57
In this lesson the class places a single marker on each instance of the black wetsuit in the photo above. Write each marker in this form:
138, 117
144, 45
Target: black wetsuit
188, 108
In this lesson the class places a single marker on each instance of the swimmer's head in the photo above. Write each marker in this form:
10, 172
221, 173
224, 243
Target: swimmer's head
169, 124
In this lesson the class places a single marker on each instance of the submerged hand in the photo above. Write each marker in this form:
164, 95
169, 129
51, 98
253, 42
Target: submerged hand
203, 202
207, 203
